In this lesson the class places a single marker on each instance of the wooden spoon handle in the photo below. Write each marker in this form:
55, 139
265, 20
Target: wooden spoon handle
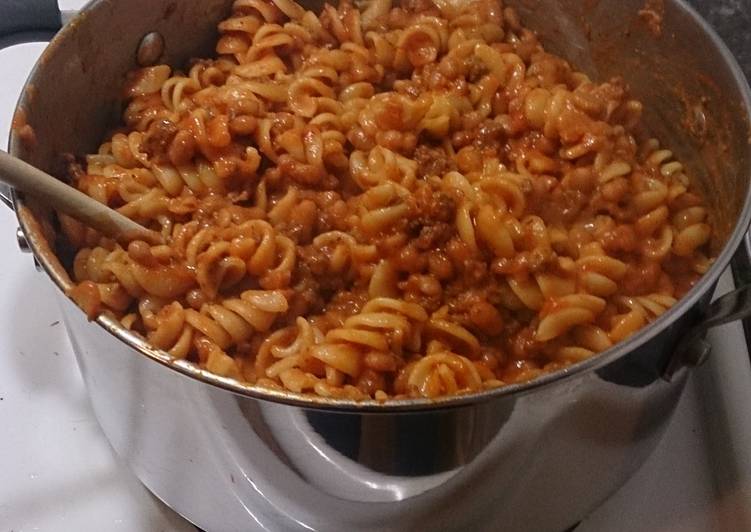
67, 199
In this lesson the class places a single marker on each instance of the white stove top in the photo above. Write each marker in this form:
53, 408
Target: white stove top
58, 473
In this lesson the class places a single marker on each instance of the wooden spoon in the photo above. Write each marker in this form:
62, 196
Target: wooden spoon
64, 198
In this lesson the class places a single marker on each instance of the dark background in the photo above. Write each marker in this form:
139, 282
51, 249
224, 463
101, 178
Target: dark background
732, 20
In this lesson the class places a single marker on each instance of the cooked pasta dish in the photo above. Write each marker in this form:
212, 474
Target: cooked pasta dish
388, 200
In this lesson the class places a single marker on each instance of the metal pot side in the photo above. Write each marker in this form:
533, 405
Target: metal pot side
533, 457
538, 461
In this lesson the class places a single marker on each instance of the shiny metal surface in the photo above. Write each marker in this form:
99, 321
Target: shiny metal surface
537, 461
5, 196
23, 244
538, 456
693, 349
150, 49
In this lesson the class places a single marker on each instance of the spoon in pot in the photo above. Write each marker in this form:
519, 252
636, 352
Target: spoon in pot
74, 203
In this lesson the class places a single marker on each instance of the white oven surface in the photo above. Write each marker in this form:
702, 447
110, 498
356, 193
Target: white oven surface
58, 473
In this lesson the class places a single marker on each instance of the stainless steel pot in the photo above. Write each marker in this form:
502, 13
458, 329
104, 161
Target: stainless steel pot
538, 456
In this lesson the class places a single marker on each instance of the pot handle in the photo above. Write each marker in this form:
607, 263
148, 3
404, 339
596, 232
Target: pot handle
693, 349
26, 21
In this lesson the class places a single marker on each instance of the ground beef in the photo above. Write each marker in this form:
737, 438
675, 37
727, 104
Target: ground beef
158, 139
472, 309
431, 161
431, 222
432, 236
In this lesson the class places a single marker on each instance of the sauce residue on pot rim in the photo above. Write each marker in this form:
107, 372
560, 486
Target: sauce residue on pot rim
652, 14
23, 130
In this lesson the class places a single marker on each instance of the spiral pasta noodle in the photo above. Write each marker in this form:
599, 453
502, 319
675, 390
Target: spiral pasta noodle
394, 199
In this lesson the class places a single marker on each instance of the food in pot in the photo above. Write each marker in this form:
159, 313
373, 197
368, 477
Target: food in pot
396, 200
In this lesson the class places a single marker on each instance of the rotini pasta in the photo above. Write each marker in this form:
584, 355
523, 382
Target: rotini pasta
398, 199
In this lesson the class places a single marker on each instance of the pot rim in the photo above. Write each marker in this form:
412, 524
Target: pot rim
190, 370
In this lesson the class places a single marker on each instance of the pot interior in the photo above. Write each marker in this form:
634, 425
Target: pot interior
694, 98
